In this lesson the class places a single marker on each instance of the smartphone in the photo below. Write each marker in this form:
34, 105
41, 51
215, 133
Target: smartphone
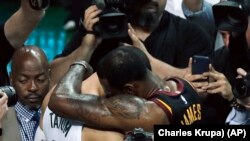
200, 64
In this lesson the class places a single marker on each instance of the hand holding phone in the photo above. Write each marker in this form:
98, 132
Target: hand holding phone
200, 64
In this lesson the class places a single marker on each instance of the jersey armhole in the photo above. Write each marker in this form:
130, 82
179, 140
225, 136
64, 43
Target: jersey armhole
165, 107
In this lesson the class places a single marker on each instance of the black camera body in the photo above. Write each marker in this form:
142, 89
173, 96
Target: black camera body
113, 23
138, 134
241, 89
11, 93
231, 15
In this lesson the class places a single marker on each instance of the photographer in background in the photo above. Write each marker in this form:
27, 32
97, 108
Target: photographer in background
240, 114
163, 34
231, 16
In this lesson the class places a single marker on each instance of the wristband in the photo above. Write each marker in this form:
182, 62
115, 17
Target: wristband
232, 101
83, 30
82, 63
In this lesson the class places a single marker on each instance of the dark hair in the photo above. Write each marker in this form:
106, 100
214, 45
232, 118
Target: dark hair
122, 65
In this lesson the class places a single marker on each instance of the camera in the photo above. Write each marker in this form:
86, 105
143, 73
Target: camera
231, 15
11, 93
113, 22
241, 89
138, 134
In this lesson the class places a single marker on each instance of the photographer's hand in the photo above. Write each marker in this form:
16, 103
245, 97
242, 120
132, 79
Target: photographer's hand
241, 72
193, 78
88, 45
244, 101
3, 106
162, 69
136, 41
219, 84
91, 17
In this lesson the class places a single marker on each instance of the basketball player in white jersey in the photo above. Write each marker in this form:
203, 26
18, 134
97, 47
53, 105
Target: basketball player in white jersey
56, 128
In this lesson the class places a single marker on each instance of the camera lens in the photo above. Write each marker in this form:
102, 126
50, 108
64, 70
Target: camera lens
11, 93
112, 24
242, 87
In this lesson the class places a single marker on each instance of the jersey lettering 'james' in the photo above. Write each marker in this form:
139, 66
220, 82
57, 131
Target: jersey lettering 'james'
183, 106
192, 114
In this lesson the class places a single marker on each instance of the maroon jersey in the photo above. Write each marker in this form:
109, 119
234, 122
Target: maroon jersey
183, 106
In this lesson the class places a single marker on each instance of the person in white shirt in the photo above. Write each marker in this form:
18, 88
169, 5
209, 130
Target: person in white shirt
55, 128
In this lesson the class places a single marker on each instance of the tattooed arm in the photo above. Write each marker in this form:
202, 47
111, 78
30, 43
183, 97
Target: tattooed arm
119, 112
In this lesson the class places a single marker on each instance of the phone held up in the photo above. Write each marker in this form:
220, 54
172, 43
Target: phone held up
200, 64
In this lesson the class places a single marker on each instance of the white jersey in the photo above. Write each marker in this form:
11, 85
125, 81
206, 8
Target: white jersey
60, 129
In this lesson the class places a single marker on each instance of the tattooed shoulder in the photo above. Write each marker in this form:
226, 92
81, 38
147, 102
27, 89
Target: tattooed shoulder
126, 106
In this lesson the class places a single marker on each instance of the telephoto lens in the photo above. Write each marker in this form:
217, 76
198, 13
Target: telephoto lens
11, 93
242, 87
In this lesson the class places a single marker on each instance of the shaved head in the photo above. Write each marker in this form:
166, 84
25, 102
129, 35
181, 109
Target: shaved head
28, 54
30, 76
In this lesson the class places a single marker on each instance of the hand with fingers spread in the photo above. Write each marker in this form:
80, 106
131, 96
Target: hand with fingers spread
193, 78
136, 41
162, 69
218, 84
